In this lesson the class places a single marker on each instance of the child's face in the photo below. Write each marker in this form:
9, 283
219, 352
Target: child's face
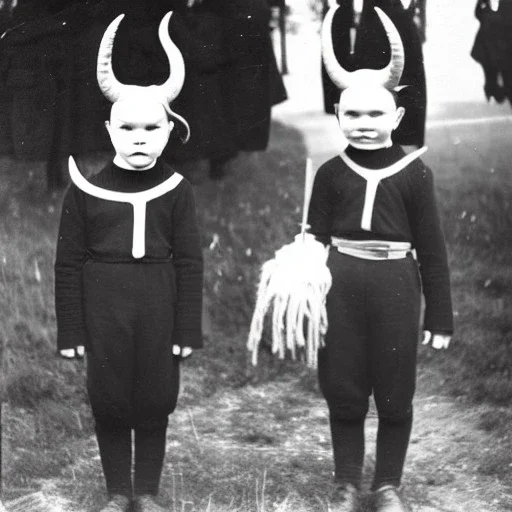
139, 132
368, 116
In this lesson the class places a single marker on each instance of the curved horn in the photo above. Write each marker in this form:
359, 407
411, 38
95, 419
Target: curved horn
392, 73
388, 76
172, 87
339, 75
109, 85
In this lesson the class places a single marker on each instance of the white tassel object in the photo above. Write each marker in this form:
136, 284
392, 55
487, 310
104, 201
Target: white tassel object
294, 285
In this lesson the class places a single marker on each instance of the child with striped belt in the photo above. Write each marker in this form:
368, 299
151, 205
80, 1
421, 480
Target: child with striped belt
375, 205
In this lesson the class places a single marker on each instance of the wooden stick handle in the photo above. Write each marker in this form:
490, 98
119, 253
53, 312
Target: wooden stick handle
308, 188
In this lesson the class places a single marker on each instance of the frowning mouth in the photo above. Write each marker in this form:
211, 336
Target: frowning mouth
360, 135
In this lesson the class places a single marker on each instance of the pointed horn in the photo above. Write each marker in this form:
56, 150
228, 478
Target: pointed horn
109, 85
389, 76
172, 87
340, 76
392, 73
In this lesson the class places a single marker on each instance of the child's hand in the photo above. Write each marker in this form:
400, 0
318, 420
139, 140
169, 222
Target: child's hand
71, 353
439, 341
183, 352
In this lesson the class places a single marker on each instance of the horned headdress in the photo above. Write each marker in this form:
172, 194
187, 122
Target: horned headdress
165, 93
387, 77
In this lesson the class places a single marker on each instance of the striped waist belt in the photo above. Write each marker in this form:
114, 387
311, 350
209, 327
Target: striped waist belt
372, 249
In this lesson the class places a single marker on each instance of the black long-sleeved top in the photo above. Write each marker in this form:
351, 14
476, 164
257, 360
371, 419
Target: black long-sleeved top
102, 230
404, 210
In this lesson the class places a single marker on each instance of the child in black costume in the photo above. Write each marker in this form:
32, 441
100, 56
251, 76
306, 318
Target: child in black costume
374, 205
128, 280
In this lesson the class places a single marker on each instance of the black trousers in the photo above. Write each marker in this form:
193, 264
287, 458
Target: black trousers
373, 309
132, 376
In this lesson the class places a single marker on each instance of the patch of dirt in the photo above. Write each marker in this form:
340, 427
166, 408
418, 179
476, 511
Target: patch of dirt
273, 440
285, 430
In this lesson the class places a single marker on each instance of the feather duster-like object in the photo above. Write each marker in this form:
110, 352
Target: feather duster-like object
293, 287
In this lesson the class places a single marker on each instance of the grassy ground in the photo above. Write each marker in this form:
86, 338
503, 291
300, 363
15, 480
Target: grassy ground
245, 218
475, 195
475, 192
46, 404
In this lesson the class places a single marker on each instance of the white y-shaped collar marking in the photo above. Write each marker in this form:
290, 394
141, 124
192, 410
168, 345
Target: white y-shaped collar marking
373, 178
137, 199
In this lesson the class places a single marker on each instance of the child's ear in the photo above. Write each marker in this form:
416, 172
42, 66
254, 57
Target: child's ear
336, 108
400, 112
107, 126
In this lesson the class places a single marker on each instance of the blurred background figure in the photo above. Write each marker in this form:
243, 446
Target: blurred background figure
418, 11
232, 80
493, 47
50, 99
51, 103
360, 42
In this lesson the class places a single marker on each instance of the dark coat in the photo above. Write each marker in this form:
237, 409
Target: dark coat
231, 82
49, 89
372, 51
493, 47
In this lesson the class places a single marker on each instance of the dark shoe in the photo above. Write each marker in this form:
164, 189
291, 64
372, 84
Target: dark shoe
388, 499
118, 503
345, 498
147, 503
